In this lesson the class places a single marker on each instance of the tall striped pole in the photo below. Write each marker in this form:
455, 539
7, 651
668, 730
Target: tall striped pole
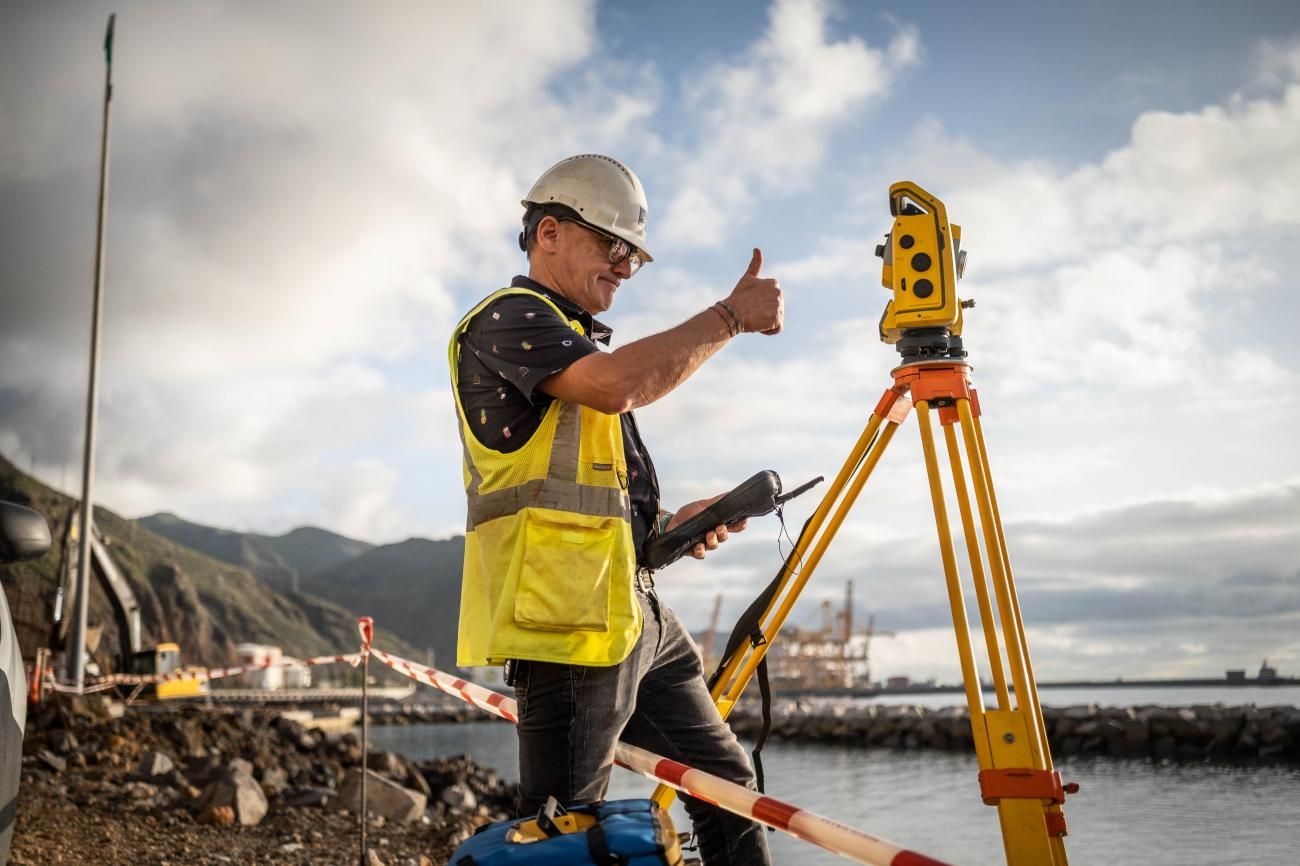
366, 626
77, 651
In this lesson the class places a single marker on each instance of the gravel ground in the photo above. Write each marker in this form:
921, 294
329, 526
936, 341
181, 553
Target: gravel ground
83, 801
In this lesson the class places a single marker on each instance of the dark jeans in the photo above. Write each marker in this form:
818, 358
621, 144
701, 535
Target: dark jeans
570, 718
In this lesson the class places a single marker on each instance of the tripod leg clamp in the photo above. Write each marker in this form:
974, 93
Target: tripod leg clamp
1025, 784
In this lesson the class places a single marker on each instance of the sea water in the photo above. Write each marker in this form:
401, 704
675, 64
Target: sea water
928, 801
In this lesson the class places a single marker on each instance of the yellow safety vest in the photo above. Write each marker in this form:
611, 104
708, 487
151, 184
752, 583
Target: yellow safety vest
549, 557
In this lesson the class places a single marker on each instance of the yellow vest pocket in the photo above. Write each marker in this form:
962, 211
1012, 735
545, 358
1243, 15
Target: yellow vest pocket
564, 572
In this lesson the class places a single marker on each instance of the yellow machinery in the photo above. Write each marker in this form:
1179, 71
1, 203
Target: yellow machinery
923, 320
165, 658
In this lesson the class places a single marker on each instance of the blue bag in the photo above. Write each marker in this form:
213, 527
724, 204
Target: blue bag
614, 833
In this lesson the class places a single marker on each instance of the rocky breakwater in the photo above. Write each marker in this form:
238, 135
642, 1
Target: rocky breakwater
1246, 734
199, 786
437, 713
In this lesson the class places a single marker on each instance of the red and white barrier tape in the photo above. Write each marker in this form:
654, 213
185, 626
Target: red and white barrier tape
483, 698
806, 825
99, 684
801, 823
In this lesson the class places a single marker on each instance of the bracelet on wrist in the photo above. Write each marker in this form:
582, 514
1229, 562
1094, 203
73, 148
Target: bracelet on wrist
726, 320
729, 314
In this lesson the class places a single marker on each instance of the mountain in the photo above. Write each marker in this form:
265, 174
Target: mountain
280, 560
206, 605
411, 588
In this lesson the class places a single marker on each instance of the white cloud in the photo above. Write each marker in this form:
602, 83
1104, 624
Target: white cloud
1153, 280
1277, 63
764, 120
1111, 593
290, 208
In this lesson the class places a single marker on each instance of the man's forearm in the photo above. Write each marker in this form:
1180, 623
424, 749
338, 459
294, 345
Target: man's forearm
640, 373
655, 365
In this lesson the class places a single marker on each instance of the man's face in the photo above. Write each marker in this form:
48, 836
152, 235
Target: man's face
583, 268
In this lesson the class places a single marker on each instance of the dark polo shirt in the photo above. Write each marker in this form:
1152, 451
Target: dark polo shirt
512, 345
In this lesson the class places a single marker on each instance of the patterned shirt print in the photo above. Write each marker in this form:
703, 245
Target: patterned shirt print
519, 339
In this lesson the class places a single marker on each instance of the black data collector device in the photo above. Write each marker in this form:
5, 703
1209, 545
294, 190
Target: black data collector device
752, 498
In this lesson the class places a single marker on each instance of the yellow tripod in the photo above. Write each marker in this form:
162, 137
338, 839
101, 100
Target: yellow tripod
1016, 773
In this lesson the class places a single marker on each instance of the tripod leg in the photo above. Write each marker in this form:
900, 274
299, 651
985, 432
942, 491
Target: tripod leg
1001, 737
976, 563
862, 460
1002, 547
1033, 822
857, 468
965, 655
1008, 607
1054, 813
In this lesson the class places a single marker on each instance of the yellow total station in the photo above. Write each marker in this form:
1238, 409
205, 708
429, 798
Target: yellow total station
923, 261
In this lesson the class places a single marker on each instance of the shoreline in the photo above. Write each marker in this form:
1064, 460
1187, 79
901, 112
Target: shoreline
988, 688
1199, 733
1230, 735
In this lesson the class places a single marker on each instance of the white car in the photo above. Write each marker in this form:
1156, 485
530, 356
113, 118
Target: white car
24, 534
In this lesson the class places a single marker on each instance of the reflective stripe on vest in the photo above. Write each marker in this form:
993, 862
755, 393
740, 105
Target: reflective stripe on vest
549, 557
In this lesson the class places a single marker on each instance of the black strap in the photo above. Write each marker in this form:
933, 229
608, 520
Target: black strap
765, 691
747, 629
598, 847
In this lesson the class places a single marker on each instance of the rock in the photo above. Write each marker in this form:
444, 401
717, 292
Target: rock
240, 766
274, 780
202, 770
1089, 728
1136, 738
308, 797
373, 859
153, 765
383, 797
62, 742
459, 798
140, 795
221, 816
293, 731
387, 763
51, 760
1272, 736
238, 791
415, 780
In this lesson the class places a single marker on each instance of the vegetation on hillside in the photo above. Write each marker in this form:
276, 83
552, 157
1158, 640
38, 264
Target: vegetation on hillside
206, 605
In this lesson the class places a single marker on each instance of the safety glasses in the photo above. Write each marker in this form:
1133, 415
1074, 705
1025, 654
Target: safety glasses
619, 249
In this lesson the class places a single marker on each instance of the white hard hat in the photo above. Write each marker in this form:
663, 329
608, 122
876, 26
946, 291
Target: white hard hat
601, 190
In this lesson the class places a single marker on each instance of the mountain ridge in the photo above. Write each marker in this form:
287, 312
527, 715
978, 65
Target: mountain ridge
410, 587
206, 604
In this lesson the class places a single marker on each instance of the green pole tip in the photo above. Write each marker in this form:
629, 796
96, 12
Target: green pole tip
108, 38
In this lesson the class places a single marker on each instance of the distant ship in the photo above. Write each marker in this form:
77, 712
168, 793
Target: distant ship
1267, 677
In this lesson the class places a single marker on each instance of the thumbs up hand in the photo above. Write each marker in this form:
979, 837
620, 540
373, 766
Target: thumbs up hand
757, 300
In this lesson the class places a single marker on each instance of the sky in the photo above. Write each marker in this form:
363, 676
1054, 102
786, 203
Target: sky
305, 197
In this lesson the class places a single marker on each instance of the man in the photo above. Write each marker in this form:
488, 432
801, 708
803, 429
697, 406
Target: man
562, 497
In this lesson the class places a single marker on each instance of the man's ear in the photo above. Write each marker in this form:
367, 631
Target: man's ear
548, 233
